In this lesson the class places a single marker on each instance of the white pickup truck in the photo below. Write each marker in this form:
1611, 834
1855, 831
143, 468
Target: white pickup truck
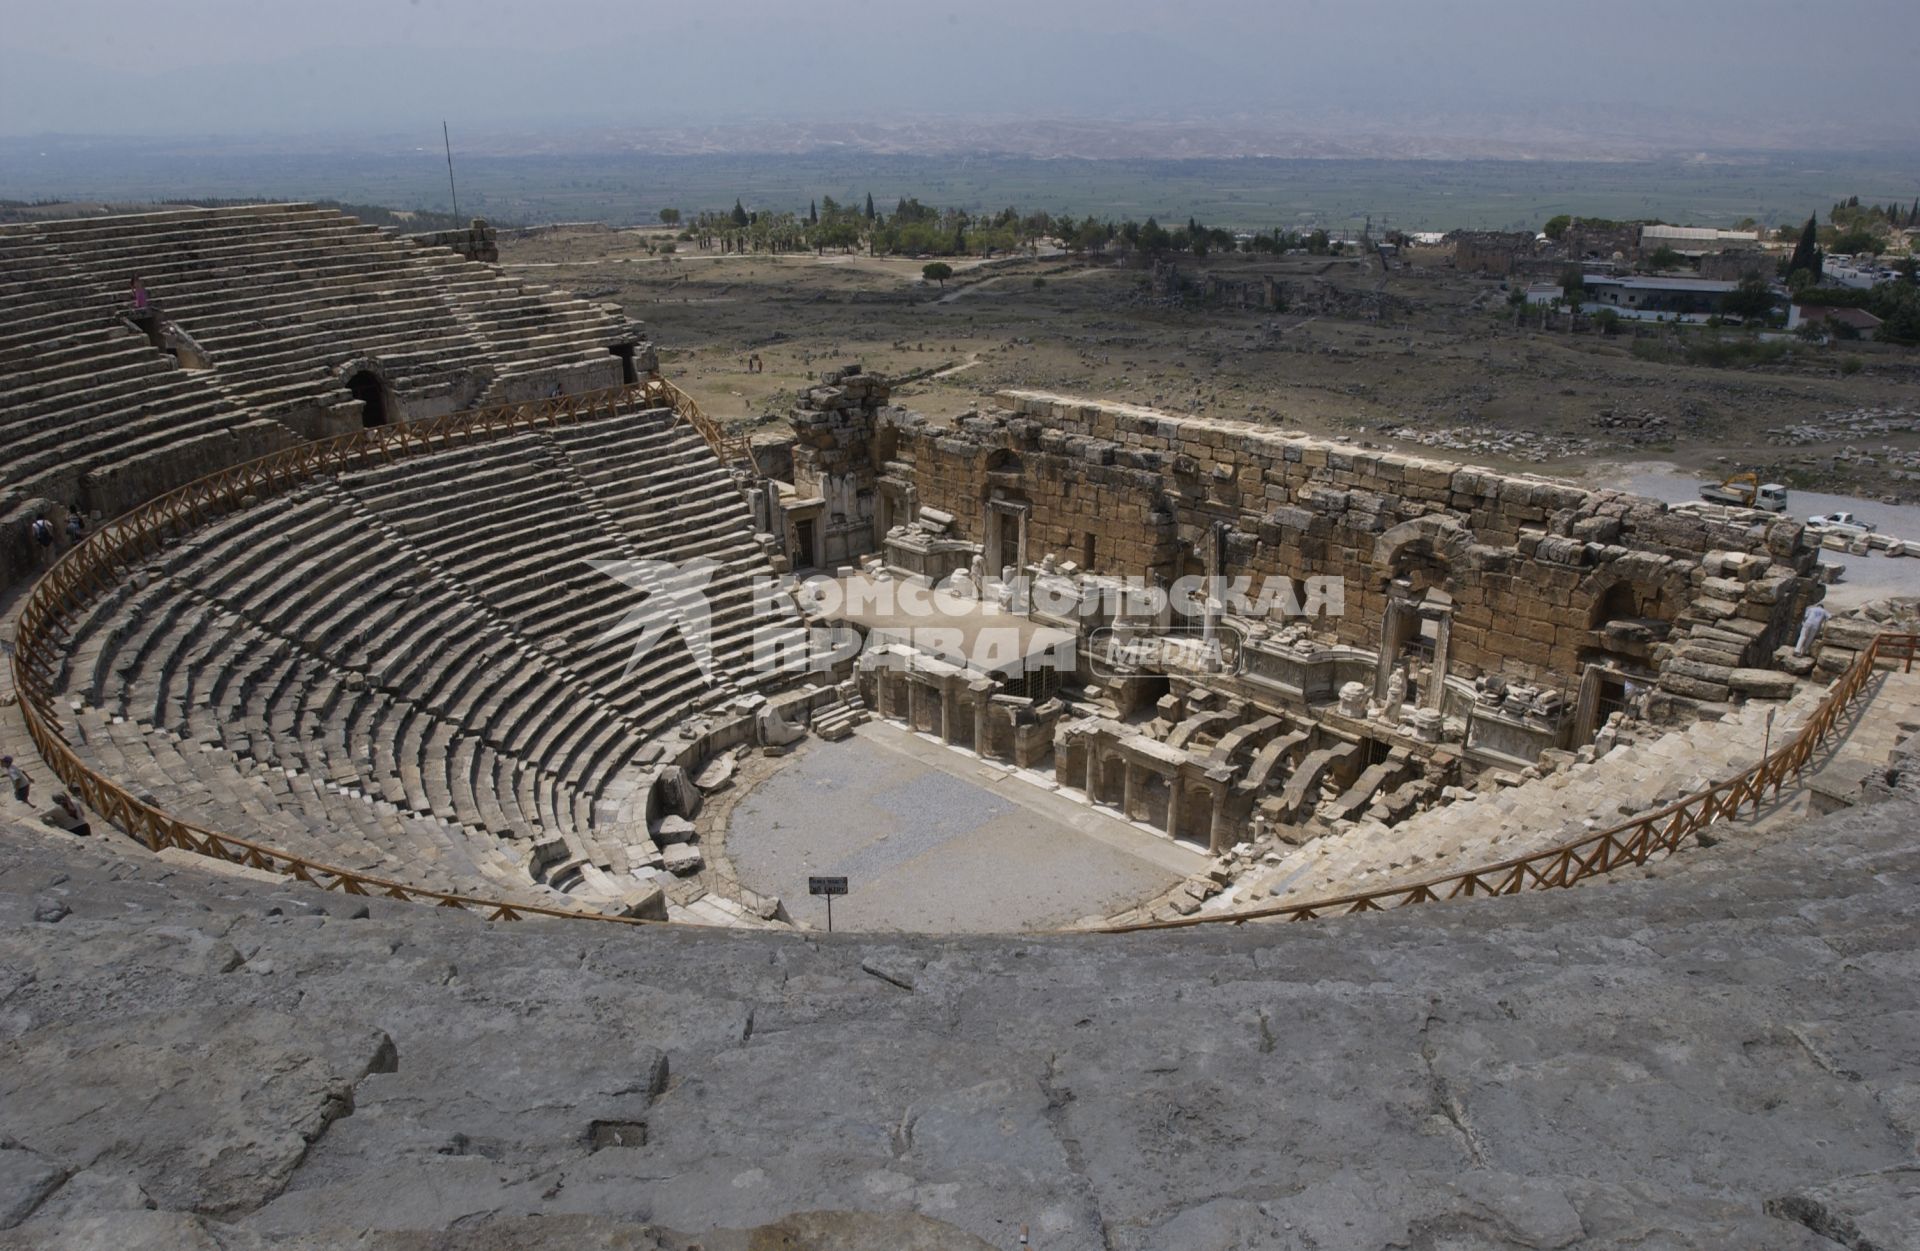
1840, 521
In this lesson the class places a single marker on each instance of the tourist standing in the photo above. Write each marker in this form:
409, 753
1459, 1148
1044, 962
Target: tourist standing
66, 815
76, 527
22, 784
41, 531
142, 304
1810, 624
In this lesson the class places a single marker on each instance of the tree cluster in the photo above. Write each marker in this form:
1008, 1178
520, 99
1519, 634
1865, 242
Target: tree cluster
917, 229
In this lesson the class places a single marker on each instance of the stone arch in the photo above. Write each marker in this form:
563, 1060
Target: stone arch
367, 382
1004, 460
1427, 550
1616, 594
1621, 599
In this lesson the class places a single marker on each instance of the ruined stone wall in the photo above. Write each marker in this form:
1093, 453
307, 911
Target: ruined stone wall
1527, 562
1491, 251
477, 242
1588, 241
1167, 285
835, 458
1735, 264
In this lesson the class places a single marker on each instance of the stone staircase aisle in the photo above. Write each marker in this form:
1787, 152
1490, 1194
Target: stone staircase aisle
840, 718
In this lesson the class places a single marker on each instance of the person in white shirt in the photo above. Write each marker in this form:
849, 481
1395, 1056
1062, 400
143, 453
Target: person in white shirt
1810, 624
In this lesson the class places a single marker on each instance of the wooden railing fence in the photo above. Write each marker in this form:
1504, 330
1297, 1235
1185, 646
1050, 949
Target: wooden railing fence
105, 558
96, 565
1632, 842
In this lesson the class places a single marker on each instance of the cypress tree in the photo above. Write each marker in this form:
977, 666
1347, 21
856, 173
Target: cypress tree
1806, 253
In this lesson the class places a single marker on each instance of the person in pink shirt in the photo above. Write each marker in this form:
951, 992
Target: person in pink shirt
140, 301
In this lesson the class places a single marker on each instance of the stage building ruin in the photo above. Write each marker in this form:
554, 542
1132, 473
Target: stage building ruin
1457, 621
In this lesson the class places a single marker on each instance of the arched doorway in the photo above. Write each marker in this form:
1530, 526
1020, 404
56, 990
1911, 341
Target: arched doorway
372, 394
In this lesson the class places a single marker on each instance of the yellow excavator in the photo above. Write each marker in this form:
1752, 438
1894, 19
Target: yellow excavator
1745, 490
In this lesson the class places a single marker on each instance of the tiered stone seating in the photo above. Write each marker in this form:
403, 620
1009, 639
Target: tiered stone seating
281, 296
282, 304
1538, 814
90, 412
404, 670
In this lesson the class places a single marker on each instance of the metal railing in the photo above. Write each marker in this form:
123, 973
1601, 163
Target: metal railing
1630, 843
99, 563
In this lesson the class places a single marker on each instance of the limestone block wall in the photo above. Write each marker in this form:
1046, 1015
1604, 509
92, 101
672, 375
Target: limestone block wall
835, 459
1491, 251
1527, 562
478, 242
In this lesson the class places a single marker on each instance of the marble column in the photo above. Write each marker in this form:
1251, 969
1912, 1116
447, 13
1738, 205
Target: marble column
1220, 829
1391, 637
1175, 787
1433, 697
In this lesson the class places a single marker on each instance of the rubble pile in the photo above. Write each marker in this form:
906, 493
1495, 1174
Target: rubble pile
1521, 445
1850, 425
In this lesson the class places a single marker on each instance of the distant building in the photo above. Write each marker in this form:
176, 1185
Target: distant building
1544, 292
1694, 298
1801, 313
1859, 272
1696, 240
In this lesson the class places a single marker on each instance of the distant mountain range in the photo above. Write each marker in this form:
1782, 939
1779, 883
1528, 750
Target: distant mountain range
1330, 135
1624, 134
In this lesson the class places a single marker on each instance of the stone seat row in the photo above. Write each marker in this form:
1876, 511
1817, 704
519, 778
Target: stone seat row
100, 279
52, 444
423, 687
200, 676
521, 491
303, 813
280, 299
405, 631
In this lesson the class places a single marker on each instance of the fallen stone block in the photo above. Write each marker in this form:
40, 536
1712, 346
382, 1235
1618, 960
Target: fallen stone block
1764, 683
1695, 688
674, 829
681, 859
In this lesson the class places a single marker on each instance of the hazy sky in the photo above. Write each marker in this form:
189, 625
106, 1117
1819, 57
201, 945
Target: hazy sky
393, 66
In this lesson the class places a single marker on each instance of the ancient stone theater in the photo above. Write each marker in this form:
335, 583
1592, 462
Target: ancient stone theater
354, 581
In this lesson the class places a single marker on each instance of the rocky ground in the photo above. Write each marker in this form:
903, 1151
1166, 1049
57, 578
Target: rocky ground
1417, 356
1721, 1053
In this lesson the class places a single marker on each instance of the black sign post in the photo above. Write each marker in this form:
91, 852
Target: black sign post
828, 886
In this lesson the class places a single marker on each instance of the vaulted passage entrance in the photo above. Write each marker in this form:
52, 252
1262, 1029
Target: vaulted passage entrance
372, 396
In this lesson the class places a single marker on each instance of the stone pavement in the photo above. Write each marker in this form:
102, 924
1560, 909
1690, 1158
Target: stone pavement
1725, 1057
936, 840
